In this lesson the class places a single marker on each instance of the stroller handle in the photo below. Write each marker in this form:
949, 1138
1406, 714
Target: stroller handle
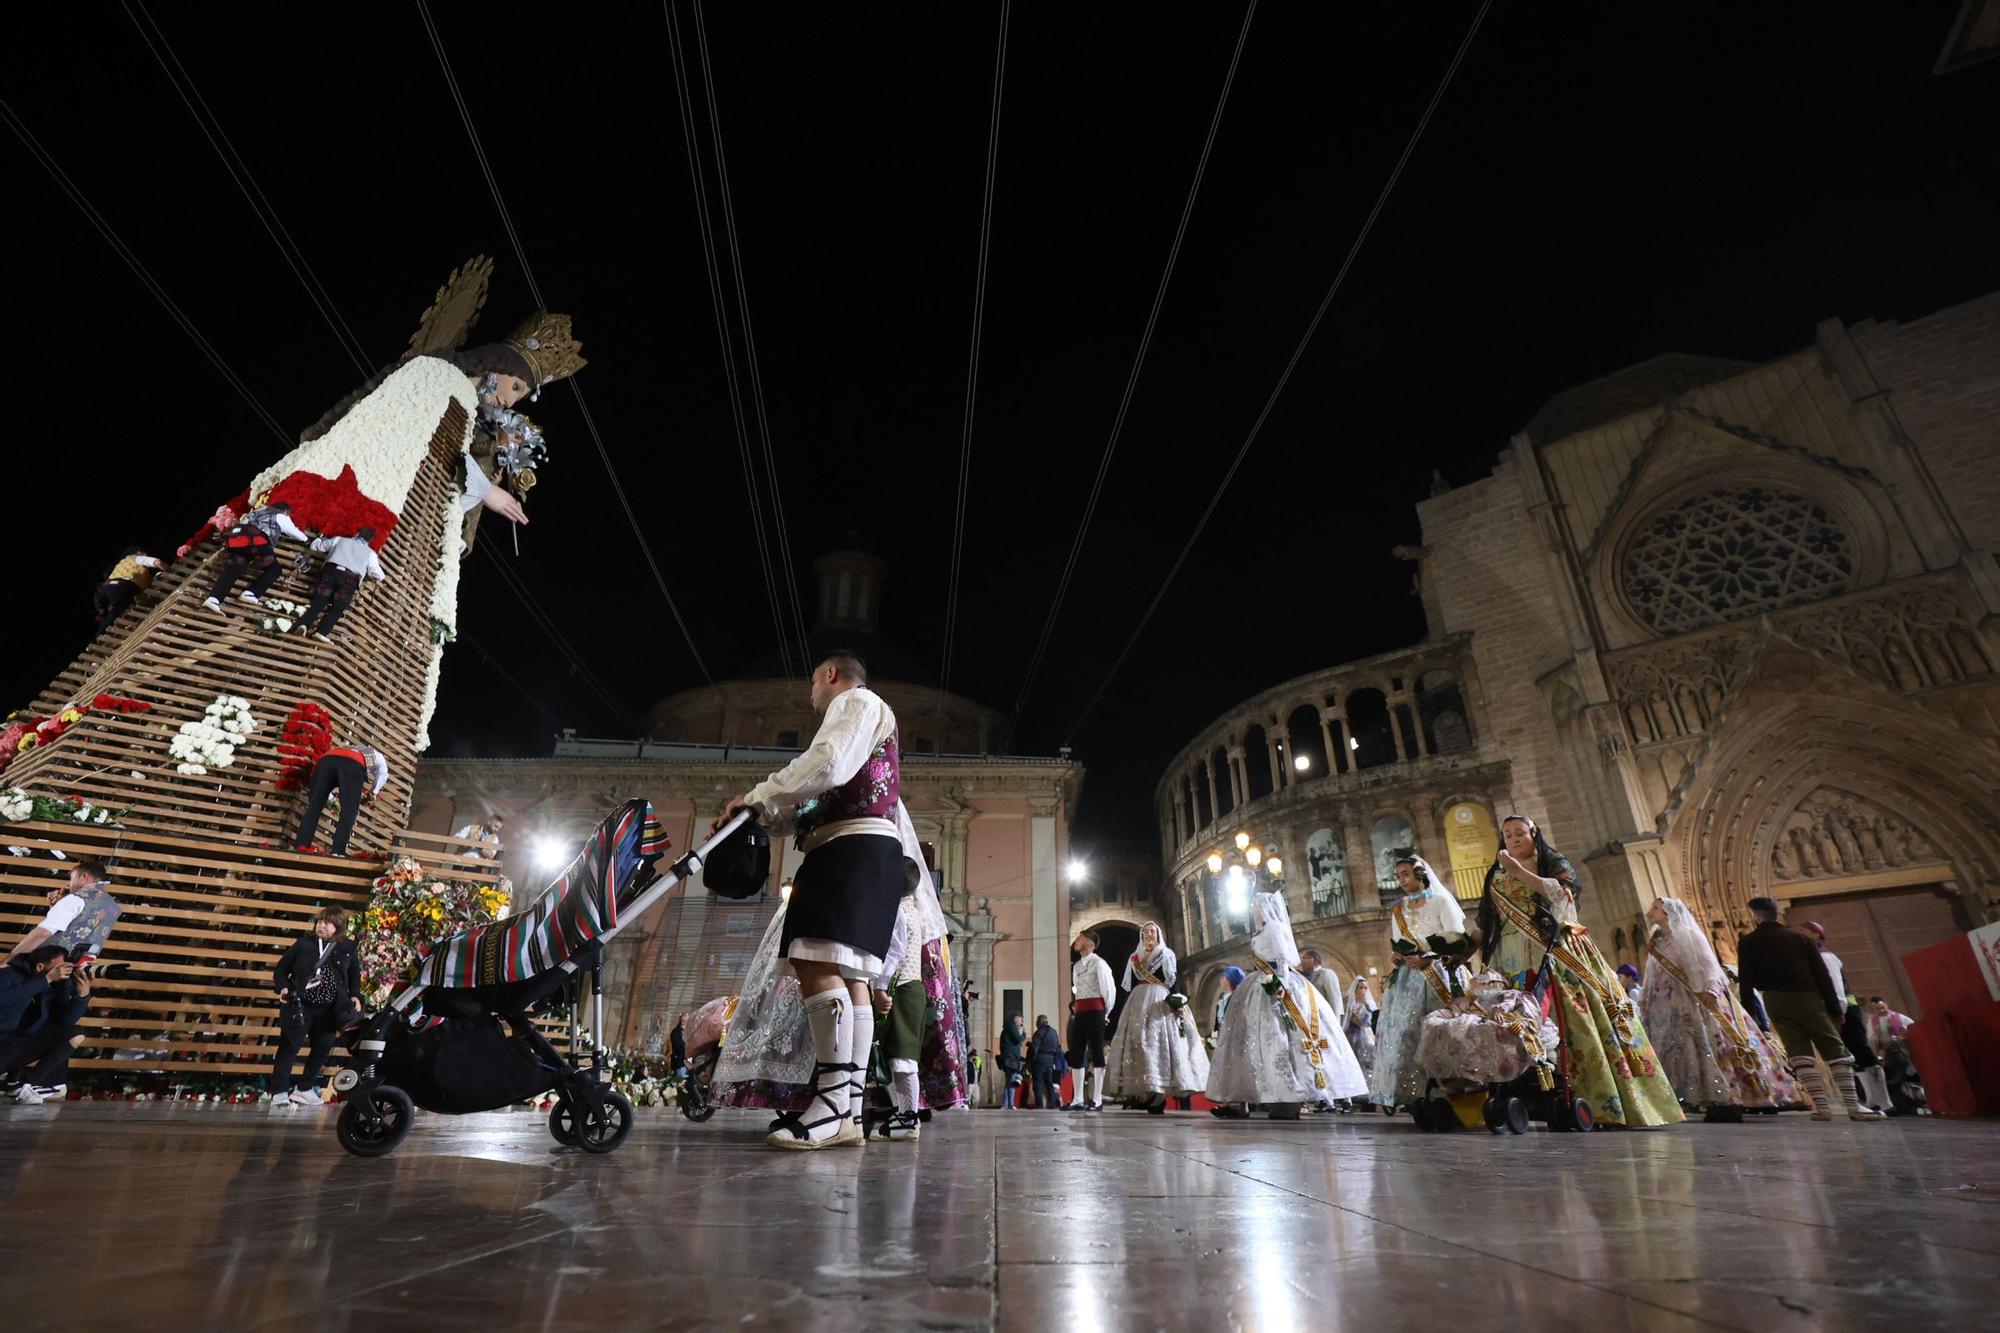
688, 865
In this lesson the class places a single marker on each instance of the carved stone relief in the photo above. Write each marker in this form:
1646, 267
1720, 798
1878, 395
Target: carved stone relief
1835, 832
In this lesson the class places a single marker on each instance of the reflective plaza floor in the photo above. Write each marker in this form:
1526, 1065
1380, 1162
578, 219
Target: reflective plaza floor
165, 1217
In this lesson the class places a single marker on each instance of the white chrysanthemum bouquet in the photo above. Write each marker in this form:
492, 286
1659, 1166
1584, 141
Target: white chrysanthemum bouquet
210, 740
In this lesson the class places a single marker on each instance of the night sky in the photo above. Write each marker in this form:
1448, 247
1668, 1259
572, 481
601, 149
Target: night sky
1601, 184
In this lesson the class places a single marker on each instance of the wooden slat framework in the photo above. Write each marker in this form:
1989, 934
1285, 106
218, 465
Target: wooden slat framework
170, 651
211, 895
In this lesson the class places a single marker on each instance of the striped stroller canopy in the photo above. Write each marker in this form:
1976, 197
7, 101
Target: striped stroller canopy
589, 901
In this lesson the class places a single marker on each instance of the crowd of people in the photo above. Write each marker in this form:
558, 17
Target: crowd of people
853, 986
1641, 1045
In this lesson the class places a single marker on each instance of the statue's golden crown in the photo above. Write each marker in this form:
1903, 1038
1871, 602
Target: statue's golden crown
548, 345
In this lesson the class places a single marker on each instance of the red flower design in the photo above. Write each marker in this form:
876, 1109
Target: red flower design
334, 506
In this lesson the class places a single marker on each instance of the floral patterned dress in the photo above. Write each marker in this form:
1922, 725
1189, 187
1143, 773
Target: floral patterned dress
1606, 1055
1709, 1048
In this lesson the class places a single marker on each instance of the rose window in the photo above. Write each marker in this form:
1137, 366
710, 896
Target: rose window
1727, 554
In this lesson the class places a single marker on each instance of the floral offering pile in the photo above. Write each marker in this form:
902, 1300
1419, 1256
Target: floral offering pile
16, 804
407, 914
308, 735
24, 731
211, 740
280, 615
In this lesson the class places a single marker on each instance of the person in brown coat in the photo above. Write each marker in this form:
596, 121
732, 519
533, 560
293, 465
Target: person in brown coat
1785, 965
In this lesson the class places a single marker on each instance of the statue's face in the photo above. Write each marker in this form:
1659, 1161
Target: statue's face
511, 390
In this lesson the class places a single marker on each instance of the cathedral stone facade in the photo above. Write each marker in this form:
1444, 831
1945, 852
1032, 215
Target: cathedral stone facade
1725, 630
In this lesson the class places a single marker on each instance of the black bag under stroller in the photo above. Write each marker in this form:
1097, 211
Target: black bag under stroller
462, 1037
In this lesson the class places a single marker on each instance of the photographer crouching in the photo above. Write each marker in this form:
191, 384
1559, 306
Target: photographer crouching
42, 999
319, 990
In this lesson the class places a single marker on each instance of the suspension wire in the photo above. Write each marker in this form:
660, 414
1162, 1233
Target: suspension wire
791, 581
738, 417
124, 252
972, 357
1132, 377
1284, 378
547, 624
534, 290
239, 172
508, 676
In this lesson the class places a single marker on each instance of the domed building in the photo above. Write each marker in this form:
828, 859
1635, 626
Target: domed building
766, 703
995, 826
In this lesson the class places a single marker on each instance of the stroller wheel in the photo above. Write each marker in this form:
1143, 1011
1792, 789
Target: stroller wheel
1444, 1119
562, 1122
1495, 1115
697, 1111
1421, 1113
1582, 1119
606, 1125
366, 1137
1516, 1116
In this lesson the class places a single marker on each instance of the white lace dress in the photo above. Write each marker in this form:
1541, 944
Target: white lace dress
1156, 1051
1283, 1048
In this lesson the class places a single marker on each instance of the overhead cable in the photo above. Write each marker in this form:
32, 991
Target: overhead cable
1284, 378
1132, 376
719, 303
132, 261
972, 356
534, 290
233, 163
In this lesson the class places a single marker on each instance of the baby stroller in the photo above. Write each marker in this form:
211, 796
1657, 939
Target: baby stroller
1494, 1062
462, 1038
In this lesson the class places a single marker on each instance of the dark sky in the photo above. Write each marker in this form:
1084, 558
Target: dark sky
1601, 184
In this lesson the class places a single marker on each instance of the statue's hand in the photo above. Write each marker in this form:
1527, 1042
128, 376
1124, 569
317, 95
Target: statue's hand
503, 503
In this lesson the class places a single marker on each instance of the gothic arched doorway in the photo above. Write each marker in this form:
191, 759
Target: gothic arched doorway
1821, 789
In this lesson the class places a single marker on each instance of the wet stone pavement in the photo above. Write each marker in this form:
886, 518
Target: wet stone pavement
183, 1217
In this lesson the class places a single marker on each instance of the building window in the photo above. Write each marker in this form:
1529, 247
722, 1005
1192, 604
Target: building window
1727, 554
788, 740
924, 746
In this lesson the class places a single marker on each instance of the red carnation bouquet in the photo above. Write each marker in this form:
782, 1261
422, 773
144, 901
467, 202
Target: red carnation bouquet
308, 735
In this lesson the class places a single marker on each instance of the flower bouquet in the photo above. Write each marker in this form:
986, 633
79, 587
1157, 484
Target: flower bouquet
1178, 1003
410, 911
210, 741
307, 736
281, 616
16, 804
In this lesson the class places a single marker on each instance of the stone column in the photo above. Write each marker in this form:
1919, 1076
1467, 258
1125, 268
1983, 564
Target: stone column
1335, 733
1239, 776
1281, 769
1045, 874
1214, 806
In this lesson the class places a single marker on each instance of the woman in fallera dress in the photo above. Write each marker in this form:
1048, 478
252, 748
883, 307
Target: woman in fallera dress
1281, 1045
1427, 935
1157, 1053
1710, 1049
1528, 915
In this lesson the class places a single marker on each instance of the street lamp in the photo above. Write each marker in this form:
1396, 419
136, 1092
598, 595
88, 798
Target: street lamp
1245, 871
1079, 871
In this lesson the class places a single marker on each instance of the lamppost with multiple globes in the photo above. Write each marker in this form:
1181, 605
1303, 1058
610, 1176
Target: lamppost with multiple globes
1242, 871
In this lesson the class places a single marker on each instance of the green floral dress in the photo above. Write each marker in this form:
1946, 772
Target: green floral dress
1609, 1060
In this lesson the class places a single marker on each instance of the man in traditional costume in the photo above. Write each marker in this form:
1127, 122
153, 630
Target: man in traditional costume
1787, 966
1282, 1046
1096, 992
842, 799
